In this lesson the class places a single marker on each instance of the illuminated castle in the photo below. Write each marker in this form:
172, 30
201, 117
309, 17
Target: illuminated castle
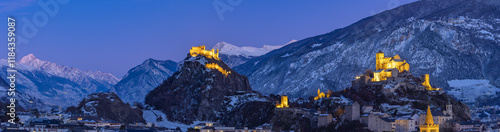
390, 75
385, 66
200, 50
429, 125
284, 102
217, 67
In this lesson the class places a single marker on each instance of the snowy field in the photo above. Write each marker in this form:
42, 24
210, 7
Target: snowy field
149, 116
468, 90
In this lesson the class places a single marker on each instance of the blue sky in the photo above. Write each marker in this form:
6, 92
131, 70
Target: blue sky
115, 35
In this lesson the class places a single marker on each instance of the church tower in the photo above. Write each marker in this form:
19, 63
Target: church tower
449, 108
429, 125
379, 60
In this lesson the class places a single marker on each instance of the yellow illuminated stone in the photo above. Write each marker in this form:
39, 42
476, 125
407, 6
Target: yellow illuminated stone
385, 63
283, 103
200, 50
321, 95
427, 84
217, 67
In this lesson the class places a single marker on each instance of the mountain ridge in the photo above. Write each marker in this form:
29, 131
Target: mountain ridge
436, 37
143, 78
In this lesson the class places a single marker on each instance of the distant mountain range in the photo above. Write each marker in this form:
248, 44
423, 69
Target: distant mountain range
448, 39
56, 84
143, 78
234, 55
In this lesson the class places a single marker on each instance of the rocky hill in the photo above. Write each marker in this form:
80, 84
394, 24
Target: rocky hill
143, 78
196, 92
107, 106
448, 39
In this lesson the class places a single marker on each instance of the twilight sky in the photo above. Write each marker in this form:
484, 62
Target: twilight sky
116, 35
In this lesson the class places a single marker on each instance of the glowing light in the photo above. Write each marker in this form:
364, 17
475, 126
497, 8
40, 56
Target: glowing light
429, 125
200, 50
383, 64
427, 84
283, 103
321, 95
386, 63
217, 67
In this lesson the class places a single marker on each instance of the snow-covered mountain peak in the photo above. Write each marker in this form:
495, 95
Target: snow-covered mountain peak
291, 41
224, 46
229, 49
28, 58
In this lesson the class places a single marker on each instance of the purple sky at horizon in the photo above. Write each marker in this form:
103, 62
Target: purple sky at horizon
113, 37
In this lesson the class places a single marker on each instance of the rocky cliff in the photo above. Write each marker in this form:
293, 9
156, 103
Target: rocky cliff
196, 92
107, 106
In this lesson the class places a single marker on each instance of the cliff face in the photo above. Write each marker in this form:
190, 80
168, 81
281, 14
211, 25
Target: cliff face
108, 106
196, 92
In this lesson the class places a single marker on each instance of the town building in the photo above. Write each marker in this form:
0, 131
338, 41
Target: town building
352, 112
324, 119
468, 126
380, 122
405, 124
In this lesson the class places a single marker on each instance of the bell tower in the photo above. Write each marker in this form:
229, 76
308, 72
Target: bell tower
449, 108
379, 60
429, 125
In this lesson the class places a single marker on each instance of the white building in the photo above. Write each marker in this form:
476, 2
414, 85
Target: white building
380, 122
404, 124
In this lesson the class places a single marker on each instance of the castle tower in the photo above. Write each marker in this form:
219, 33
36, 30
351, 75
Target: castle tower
429, 125
284, 102
449, 108
427, 84
379, 60
426, 80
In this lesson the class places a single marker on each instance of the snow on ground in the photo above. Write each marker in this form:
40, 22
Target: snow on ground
149, 116
236, 100
315, 45
286, 55
468, 90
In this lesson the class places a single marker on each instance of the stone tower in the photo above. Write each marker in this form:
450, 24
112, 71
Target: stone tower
379, 60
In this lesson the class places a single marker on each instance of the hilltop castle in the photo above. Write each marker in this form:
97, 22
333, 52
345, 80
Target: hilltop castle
387, 66
392, 73
200, 50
